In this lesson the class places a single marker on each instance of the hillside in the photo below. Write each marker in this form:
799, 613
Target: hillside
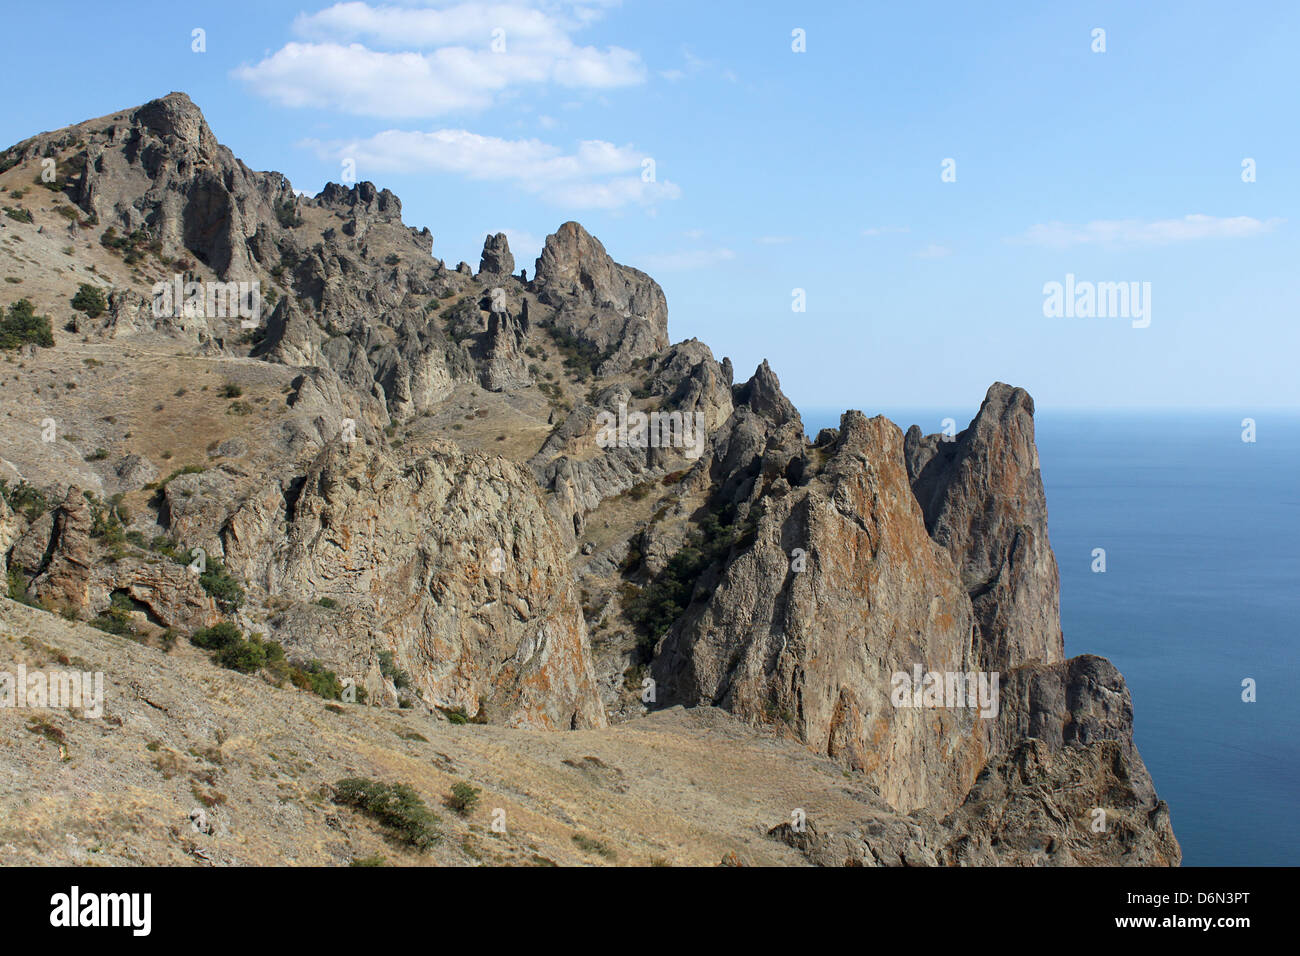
423, 524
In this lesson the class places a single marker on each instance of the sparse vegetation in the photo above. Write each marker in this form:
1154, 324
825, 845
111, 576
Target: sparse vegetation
655, 608
27, 499
580, 358
22, 326
16, 587
90, 300
396, 807
591, 845
389, 669
223, 588
463, 798
129, 247
287, 214
248, 655
116, 619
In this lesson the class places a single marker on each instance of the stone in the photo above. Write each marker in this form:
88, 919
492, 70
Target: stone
983, 499
496, 259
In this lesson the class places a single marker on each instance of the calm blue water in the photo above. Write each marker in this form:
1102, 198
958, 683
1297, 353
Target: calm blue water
1201, 590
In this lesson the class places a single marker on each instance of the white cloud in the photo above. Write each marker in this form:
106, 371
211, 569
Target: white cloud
933, 251
392, 61
596, 175
687, 259
883, 230
774, 240
1158, 231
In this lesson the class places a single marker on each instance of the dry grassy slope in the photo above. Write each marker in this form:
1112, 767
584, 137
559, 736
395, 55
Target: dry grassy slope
678, 787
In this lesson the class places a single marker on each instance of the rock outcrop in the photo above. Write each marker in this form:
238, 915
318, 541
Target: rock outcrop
983, 499
63, 577
404, 473
10, 529
505, 365
618, 310
1066, 788
452, 564
841, 588
496, 259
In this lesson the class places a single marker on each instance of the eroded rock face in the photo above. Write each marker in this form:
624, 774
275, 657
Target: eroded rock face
168, 593
64, 578
163, 168
496, 259
983, 499
505, 365
618, 309
816, 648
10, 529
1065, 787
450, 562
842, 561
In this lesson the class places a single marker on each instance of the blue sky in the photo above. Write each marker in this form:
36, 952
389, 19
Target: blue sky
777, 170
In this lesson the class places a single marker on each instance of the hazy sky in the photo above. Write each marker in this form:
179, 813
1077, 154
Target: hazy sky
776, 170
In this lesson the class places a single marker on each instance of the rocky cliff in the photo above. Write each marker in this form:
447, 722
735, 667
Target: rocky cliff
478, 497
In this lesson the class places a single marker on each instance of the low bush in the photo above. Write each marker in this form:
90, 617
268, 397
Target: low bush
90, 300
463, 798
396, 807
20, 326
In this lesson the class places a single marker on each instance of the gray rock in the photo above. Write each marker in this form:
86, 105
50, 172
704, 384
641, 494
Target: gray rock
983, 499
496, 259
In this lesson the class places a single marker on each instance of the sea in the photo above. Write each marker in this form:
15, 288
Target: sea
1198, 604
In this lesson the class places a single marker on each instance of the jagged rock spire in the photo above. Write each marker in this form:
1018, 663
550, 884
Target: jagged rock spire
496, 259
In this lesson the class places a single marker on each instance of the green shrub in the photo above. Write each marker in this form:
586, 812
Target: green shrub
90, 300
327, 602
25, 498
591, 845
245, 656
129, 246
217, 637
657, 607
463, 798
396, 807
235, 652
389, 669
21, 326
117, 618
17, 587
316, 678
105, 523
455, 715
223, 588
287, 214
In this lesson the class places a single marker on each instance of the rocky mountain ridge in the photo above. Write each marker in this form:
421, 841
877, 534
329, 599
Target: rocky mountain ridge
400, 476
